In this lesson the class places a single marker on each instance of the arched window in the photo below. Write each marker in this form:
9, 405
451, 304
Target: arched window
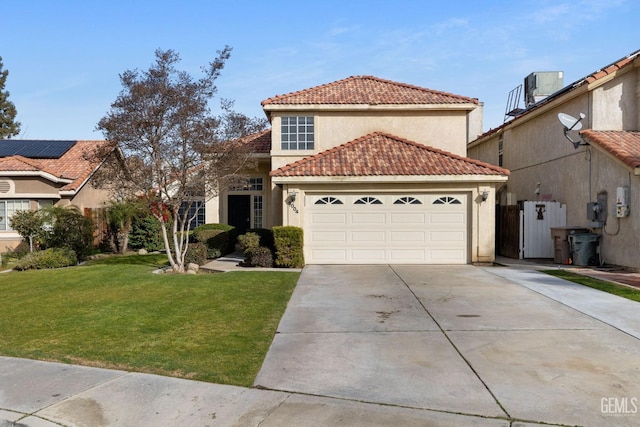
407, 201
367, 201
447, 200
329, 201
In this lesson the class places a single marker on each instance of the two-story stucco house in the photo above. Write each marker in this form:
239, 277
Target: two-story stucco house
35, 174
598, 177
374, 171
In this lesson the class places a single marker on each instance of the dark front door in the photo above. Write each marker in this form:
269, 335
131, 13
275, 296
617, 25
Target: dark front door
239, 212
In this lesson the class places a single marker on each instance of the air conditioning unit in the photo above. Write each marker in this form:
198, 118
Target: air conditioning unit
541, 84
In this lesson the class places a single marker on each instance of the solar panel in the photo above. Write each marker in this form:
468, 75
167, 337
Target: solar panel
34, 149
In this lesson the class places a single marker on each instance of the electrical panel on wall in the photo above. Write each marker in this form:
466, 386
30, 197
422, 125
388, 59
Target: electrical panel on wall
622, 202
597, 211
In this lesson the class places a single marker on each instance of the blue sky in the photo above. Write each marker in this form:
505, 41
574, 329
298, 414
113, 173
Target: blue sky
64, 57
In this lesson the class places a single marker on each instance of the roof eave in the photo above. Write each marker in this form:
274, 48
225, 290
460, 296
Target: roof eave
45, 175
388, 179
463, 106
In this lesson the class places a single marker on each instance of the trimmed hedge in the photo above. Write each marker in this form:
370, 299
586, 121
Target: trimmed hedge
49, 258
289, 246
248, 241
259, 257
266, 237
224, 242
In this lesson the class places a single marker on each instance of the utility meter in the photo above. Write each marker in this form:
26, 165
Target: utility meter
622, 202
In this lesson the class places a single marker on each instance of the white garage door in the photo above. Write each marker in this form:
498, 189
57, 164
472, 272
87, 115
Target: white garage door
386, 228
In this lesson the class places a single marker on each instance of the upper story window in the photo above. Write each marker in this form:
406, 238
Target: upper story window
297, 133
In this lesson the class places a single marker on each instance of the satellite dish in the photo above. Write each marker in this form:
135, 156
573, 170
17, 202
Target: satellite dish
570, 122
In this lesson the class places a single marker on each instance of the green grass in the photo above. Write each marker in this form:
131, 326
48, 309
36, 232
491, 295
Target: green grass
612, 288
114, 313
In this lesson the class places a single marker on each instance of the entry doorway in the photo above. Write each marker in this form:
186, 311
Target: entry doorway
239, 212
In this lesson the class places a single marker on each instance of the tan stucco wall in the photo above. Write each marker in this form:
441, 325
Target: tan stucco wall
481, 218
447, 130
536, 151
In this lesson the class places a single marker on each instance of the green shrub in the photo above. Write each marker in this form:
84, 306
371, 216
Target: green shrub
231, 235
259, 257
217, 244
145, 233
48, 258
196, 253
248, 241
69, 229
266, 237
289, 246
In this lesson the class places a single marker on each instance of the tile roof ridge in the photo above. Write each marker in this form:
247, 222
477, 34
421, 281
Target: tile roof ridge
301, 91
422, 88
369, 77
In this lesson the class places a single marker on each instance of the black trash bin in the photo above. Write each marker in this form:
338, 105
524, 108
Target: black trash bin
584, 248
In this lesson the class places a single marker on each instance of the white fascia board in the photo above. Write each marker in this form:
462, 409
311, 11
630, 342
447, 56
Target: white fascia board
41, 174
388, 179
33, 196
369, 107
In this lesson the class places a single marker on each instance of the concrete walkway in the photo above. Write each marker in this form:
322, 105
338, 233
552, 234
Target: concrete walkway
384, 345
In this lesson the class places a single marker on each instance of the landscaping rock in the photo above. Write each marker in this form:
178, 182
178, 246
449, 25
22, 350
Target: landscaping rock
142, 251
192, 272
193, 267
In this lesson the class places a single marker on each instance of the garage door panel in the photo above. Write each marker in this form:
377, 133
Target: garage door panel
408, 218
447, 218
329, 255
329, 218
407, 236
329, 236
368, 218
446, 256
368, 236
368, 255
447, 236
397, 228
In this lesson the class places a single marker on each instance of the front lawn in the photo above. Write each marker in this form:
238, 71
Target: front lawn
602, 285
115, 313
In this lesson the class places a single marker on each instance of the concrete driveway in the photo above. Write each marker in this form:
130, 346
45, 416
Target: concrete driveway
488, 344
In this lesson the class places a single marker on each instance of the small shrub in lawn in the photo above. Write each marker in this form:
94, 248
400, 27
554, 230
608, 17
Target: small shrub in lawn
259, 257
196, 253
289, 246
248, 241
48, 258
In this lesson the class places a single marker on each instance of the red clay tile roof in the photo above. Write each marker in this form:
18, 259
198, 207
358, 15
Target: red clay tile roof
260, 142
381, 154
624, 145
368, 90
73, 165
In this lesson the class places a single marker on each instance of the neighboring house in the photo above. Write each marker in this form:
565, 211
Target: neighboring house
374, 171
36, 174
597, 182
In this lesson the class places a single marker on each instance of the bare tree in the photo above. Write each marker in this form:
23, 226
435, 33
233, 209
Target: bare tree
171, 150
